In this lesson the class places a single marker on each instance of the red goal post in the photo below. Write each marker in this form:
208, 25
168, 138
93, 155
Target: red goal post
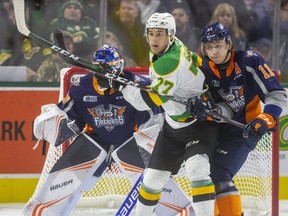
257, 180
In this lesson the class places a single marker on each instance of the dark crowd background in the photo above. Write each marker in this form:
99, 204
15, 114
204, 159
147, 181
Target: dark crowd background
251, 23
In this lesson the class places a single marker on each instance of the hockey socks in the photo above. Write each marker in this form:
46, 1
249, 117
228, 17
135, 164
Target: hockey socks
147, 200
203, 197
228, 199
229, 205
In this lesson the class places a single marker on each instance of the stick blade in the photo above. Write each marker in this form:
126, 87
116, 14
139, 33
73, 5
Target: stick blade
59, 38
19, 8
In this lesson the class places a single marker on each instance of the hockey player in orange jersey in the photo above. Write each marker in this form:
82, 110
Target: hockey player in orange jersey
238, 82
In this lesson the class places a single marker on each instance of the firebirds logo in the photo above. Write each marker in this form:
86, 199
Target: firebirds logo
110, 118
234, 98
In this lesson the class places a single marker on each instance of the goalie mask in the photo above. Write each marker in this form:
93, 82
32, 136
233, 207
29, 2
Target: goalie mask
108, 57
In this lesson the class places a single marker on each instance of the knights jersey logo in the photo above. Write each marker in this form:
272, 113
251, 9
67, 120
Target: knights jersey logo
110, 118
234, 98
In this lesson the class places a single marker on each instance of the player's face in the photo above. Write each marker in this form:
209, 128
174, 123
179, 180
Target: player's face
217, 51
158, 40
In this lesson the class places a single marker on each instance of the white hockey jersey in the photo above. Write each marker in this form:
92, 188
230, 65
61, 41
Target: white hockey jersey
175, 73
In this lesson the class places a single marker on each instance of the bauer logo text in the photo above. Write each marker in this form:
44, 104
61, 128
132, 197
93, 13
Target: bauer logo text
63, 184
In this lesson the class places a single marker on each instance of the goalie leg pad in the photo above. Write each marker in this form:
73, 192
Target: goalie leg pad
129, 160
68, 177
33, 207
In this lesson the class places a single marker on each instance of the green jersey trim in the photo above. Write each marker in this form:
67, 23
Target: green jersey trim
185, 117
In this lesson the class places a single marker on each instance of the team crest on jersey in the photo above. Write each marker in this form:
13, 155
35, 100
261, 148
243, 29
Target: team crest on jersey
234, 98
110, 118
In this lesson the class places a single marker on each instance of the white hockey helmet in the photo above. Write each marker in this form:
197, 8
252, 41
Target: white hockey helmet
162, 20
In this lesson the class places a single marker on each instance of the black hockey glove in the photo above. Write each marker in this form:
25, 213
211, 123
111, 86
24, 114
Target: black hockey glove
196, 107
106, 83
141, 80
256, 128
111, 69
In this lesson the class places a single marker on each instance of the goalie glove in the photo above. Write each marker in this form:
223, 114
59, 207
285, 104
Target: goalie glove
53, 125
256, 128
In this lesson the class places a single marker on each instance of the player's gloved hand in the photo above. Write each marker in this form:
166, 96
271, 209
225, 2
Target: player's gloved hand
256, 128
196, 107
129, 76
115, 71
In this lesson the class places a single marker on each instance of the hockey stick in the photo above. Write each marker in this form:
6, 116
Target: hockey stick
19, 6
97, 70
130, 201
59, 38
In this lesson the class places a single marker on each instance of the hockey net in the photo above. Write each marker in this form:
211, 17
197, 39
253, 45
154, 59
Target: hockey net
254, 180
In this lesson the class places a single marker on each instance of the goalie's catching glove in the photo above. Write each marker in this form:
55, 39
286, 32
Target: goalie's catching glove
256, 128
53, 125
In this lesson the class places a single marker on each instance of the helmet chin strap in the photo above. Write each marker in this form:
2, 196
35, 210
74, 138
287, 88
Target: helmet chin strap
227, 54
171, 40
224, 61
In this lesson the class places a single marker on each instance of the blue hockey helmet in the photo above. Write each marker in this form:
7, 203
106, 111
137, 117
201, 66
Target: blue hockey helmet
108, 54
215, 32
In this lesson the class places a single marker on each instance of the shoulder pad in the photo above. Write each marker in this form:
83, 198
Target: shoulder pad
169, 62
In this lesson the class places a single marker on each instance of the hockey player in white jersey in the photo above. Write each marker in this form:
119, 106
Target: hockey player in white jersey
174, 72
